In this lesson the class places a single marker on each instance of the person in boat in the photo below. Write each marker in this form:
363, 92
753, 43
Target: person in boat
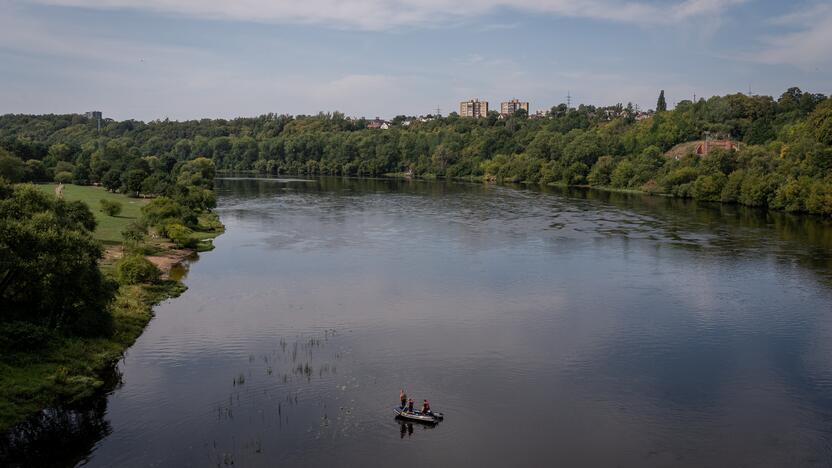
410, 405
403, 397
425, 407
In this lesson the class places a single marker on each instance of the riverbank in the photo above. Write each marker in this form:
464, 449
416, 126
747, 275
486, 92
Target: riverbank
66, 370
771, 202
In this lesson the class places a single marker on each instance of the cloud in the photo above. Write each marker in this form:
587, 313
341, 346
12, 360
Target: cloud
389, 14
806, 47
26, 34
60, 66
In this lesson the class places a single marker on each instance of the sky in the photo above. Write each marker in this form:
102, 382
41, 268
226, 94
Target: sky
188, 59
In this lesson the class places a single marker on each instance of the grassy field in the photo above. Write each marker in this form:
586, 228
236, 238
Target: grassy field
109, 227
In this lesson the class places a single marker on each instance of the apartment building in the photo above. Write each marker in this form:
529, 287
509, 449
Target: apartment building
473, 108
510, 107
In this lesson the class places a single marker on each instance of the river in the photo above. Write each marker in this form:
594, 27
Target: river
552, 327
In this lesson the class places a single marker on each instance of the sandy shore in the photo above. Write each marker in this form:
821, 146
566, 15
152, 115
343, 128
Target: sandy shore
165, 260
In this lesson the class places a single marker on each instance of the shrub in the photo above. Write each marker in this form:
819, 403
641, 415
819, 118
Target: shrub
601, 172
708, 187
134, 233
651, 186
575, 174
163, 210
731, 191
683, 190
758, 190
622, 174
791, 196
820, 199
111, 208
63, 177
135, 269
181, 235
680, 176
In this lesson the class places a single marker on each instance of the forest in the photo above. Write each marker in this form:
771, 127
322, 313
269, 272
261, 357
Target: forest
783, 161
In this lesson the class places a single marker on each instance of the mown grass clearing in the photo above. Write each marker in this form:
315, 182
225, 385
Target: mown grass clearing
109, 227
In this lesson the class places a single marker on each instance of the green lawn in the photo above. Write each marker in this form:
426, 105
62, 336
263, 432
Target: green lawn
109, 227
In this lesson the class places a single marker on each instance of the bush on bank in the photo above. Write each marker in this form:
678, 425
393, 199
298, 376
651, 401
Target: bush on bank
136, 269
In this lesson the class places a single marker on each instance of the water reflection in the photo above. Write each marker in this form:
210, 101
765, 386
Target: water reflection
70, 433
178, 272
61, 436
405, 429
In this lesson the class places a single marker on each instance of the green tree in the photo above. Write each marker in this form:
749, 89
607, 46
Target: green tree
601, 173
821, 123
133, 180
111, 180
109, 207
59, 152
661, 104
11, 167
49, 275
820, 199
134, 234
622, 174
709, 187
36, 171
198, 172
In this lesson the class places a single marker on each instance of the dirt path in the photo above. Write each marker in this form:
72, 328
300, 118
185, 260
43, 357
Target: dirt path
112, 254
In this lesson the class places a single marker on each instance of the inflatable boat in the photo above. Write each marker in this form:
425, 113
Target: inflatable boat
418, 416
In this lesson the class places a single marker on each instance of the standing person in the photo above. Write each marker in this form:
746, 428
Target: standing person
410, 405
425, 407
403, 397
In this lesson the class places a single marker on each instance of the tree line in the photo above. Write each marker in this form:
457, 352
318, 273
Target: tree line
783, 161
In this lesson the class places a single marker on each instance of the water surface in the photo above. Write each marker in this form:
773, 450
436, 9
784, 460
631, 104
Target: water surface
566, 328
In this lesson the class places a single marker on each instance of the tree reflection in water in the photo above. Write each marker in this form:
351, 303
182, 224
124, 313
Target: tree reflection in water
59, 436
